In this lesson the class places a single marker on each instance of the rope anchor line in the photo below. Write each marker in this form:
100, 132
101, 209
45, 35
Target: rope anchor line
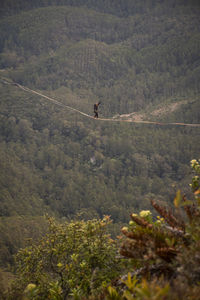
26, 89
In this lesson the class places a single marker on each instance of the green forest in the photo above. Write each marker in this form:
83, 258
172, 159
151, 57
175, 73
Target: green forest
63, 173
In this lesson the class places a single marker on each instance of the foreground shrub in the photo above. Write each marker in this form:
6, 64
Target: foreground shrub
165, 252
73, 260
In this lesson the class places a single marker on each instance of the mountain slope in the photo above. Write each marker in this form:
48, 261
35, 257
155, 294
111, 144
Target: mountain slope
128, 62
136, 57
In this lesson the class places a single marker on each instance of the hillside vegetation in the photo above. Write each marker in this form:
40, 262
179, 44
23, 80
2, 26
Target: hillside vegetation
134, 56
128, 62
79, 260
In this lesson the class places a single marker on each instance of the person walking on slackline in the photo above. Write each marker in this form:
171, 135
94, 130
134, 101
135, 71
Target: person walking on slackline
96, 106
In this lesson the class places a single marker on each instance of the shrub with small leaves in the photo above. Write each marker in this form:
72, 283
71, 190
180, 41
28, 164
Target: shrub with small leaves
73, 260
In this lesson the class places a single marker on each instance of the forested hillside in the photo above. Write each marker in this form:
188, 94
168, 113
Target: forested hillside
129, 62
133, 56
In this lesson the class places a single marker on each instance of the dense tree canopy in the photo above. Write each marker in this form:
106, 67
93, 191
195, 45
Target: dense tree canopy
137, 57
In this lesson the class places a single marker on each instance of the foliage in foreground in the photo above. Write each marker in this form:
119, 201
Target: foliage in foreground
166, 252
78, 260
74, 259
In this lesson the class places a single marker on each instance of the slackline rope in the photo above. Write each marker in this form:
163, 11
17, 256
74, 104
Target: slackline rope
89, 116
